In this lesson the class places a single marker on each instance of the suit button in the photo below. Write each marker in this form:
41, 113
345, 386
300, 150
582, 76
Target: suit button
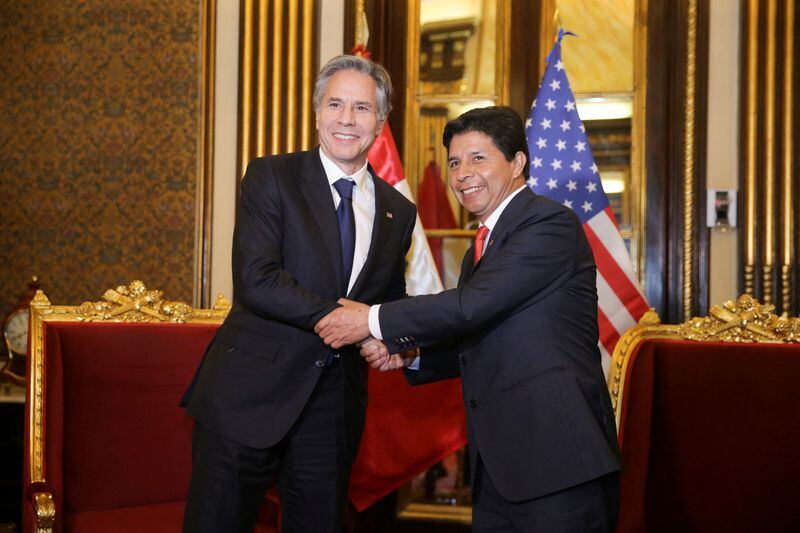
473, 403
319, 363
463, 359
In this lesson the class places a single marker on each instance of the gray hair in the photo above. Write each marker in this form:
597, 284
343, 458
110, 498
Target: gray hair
383, 84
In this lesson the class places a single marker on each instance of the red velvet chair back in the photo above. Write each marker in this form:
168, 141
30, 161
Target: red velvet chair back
113, 415
106, 441
710, 435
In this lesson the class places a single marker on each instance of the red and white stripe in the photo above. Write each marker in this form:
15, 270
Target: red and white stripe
421, 276
620, 302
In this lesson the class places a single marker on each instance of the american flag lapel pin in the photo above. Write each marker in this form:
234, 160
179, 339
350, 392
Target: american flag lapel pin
389, 215
491, 242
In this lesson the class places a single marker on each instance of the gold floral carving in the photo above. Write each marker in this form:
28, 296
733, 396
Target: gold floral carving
134, 303
743, 320
45, 510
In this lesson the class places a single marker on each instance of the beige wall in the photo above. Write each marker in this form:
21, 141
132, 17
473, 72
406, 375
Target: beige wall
723, 139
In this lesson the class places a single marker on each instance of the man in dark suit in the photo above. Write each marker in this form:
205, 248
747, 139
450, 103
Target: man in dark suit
521, 331
270, 398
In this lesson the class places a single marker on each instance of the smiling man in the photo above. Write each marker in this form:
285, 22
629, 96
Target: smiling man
521, 332
270, 399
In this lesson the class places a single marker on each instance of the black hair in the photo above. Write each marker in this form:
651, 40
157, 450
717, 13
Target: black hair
501, 123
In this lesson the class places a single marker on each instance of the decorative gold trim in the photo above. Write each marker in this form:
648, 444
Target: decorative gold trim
649, 327
205, 159
291, 80
246, 88
278, 30
261, 79
638, 139
358, 23
127, 303
308, 74
410, 156
768, 236
451, 233
788, 153
745, 320
44, 509
548, 29
751, 127
689, 158
459, 514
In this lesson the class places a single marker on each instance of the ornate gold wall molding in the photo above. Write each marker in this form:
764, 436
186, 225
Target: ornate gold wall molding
278, 64
205, 149
689, 150
769, 177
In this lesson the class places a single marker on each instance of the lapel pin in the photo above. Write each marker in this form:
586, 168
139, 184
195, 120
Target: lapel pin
491, 242
389, 215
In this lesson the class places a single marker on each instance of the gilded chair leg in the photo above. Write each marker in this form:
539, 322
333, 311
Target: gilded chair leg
45, 510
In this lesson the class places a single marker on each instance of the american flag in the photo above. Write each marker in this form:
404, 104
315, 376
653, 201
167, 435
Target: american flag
563, 169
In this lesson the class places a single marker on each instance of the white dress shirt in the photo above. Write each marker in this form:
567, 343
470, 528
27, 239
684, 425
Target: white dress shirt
363, 209
491, 222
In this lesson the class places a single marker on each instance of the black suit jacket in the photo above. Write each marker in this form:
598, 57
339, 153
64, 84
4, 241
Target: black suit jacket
261, 367
523, 337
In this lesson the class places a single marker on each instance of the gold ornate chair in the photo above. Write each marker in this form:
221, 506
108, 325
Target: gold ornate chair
707, 417
106, 446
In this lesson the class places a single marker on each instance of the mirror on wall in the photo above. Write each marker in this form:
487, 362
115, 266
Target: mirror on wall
458, 58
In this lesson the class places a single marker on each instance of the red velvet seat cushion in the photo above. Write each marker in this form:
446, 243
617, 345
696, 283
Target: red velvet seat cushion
710, 436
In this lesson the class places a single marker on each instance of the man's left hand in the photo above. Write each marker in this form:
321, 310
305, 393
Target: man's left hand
348, 324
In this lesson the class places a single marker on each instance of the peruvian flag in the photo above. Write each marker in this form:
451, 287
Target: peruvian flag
408, 430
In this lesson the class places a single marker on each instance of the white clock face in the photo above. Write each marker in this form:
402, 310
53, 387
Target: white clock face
17, 332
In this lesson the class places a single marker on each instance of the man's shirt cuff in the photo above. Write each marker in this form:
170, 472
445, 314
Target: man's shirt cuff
374, 322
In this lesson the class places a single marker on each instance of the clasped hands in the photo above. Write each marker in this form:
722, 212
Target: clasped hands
349, 324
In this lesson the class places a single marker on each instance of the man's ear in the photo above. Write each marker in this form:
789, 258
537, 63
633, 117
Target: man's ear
379, 127
518, 164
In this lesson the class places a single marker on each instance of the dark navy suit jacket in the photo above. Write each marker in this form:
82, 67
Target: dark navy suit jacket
260, 369
521, 331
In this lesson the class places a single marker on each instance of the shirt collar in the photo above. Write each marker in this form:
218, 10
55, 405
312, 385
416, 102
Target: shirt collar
495, 216
334, 173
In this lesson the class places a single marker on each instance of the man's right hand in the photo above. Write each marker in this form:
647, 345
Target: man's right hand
377, 355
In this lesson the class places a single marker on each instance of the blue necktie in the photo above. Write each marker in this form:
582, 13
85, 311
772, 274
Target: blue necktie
347, 228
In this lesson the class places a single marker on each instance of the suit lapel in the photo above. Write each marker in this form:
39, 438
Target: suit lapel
317, 191
512, 210
381, 226
466, 265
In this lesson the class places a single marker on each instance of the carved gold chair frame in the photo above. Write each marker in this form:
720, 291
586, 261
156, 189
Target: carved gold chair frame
126, 303
743, 320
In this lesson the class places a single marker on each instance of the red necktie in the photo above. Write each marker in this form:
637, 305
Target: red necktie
480, 238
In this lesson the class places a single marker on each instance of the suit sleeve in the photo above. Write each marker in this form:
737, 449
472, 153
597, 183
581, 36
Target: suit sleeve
260, 282
435, 364
539, 256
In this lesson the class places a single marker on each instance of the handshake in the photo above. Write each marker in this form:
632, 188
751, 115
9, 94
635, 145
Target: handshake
349, 324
